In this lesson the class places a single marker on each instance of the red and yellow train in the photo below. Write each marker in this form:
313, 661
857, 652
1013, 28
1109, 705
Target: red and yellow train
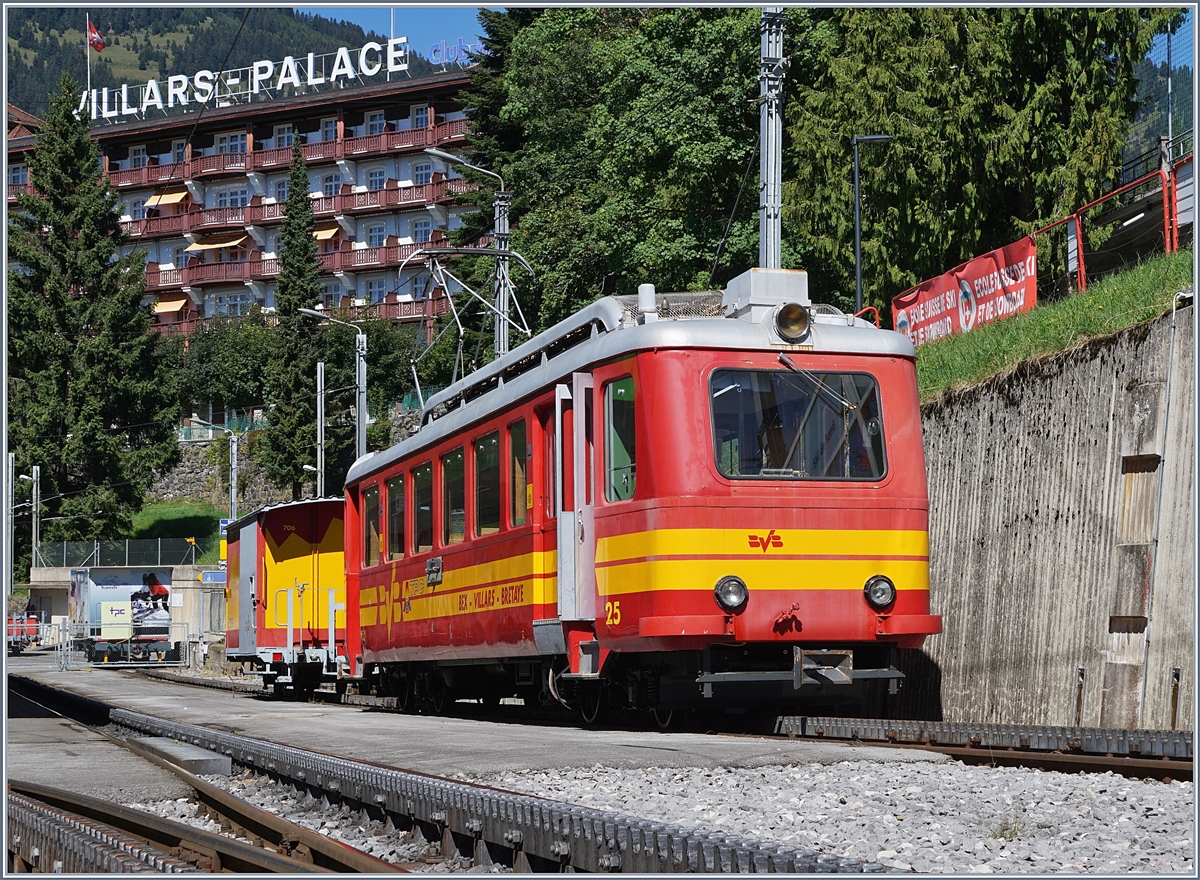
663, 501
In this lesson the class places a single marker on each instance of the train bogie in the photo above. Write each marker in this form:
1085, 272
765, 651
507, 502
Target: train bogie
690, 500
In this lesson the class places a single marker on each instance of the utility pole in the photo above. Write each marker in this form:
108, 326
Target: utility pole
233, 474
503, 284
770, 157
320, 429
37, 516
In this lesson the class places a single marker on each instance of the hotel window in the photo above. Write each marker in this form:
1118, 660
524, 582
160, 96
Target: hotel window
376, 123
376, 179
18, 175
376, 235
330, 184
235, 304
233, 198
283, 136
137, 157
422, 173
329, 129
422, 230
178, 151
281, 190
137, 209
331, 294
421, 285
179, 256
420, 117
376, 290
231, 143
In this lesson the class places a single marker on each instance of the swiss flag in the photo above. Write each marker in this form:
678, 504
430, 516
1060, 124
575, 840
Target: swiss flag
95, 38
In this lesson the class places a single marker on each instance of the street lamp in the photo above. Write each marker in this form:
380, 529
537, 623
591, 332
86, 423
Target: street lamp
861, 139
233, 464
360, 374
503, 286
36, 502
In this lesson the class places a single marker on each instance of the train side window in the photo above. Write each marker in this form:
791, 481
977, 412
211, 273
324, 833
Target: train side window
454, 514
370, 527
620, 455
423, 508
395, 517
487, 484
521, 490
551, 493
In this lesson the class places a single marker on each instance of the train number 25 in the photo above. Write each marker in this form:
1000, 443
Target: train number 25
612, 612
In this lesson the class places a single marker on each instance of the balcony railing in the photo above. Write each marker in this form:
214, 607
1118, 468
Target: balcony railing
259, 268
280, 157
209, 219
406, 310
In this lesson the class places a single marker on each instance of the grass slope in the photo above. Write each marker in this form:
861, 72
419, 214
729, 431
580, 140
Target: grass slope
182, 519
1107, 306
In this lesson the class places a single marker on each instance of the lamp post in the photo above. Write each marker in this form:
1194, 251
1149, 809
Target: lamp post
36, 503
233, 464
861, 139
360, 375
503, 239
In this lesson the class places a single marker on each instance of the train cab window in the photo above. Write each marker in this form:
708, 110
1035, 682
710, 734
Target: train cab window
620, 457
423, 508
370, 526
395, 517
487, 484
797, 424
454, 513
520, 489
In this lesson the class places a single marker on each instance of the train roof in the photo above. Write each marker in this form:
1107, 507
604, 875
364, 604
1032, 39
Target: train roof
235, 526
740, 318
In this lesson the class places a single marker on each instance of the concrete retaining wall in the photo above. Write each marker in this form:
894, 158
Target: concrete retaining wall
1045, 487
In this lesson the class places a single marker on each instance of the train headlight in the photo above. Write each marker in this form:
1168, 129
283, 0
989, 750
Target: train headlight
880, 592
731, 593
792, 322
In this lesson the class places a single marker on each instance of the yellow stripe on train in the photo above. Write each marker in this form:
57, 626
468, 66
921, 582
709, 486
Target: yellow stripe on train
763, 542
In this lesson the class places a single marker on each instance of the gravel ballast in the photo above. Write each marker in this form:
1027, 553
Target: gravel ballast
932, 818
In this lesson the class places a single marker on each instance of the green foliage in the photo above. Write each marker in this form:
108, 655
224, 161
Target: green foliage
1107, 306
624, 134
1004, 119
92, 401
225, 361
290, 380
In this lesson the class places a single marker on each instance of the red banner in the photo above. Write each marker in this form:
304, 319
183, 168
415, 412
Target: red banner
979, 291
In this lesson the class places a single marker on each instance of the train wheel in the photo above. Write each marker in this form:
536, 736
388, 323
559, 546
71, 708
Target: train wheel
438, 698
591, 702
404, 694
664, 718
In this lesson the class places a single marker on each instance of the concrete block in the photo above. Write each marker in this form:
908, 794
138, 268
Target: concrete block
192, 758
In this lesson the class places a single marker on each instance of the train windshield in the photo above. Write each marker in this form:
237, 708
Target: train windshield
797, 424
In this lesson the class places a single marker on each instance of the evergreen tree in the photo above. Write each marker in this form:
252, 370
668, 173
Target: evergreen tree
92, 401
289, 441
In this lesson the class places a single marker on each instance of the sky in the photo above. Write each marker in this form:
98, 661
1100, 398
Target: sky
425, 26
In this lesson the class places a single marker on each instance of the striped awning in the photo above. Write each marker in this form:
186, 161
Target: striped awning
233, 239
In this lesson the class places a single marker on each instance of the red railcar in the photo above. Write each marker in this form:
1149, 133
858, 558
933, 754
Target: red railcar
664, 500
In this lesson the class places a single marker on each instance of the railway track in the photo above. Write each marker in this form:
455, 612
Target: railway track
484, 825
1150, 754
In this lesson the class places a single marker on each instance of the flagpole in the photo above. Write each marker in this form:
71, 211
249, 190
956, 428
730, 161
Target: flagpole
87, 57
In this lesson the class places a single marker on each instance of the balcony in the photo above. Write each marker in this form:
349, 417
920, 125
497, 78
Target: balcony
387, 311
259, 268
15, 189
409, 140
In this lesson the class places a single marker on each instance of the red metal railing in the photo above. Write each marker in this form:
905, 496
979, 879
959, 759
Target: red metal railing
397, 311
278, 157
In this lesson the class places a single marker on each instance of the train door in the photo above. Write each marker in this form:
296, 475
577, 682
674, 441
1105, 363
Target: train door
574, 503
248, 575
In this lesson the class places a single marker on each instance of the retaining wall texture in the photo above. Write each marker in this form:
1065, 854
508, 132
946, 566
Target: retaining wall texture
1044, 490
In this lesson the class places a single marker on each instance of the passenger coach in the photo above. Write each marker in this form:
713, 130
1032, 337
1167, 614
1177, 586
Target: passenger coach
663, 501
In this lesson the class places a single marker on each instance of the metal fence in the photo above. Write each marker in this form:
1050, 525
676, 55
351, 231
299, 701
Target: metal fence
141, 551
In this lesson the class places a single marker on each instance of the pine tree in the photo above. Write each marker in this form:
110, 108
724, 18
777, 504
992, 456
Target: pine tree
93, 402
289, 441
